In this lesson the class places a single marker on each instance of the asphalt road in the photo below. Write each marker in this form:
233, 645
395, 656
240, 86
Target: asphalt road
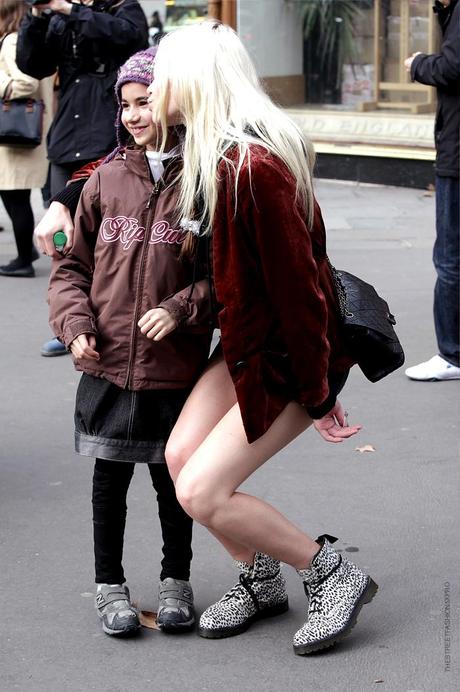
395, 510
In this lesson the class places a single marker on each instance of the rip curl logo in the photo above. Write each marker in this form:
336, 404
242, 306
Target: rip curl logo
127, 231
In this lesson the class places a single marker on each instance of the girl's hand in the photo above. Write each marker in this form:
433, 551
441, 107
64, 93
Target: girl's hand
333, 427
156, 324
84, 347
57, 218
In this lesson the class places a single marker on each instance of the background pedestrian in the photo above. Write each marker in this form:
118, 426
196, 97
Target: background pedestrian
442, 71
21, 168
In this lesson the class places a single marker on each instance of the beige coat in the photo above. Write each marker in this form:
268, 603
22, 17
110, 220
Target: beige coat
22, 168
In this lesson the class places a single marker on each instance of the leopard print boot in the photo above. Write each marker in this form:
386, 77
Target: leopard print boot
260, 593
336, 591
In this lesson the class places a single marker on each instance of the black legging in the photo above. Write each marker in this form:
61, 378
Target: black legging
110, 486
17, 205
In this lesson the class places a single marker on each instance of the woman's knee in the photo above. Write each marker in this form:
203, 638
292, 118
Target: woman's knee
198, 500
176, 455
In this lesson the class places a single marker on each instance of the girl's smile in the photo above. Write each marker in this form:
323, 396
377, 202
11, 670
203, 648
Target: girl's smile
136, 116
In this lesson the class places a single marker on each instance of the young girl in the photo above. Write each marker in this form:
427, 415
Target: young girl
282, 361
130, 305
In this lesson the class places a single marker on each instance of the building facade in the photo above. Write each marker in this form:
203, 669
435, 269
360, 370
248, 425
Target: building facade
337, 67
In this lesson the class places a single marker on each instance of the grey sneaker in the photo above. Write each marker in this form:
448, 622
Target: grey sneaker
175, 606
113, 605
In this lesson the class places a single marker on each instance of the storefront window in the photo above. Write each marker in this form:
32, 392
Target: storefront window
347, 63
340, 54
337, 50
181, 12
406, 27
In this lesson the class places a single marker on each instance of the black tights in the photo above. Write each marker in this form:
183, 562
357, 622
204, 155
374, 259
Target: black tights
17, 205
110, 486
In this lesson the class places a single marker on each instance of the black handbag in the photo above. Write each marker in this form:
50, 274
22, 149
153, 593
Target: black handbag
367, 326
21, 122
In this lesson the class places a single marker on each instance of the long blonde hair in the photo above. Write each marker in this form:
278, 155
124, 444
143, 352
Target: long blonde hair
214, 82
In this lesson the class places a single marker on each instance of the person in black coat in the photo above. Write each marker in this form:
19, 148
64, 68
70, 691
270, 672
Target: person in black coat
442, 70
85, 42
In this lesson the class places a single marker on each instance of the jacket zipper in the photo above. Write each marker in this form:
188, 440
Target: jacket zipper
150, 208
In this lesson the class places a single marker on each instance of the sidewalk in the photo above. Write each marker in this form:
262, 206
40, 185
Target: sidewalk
394, 510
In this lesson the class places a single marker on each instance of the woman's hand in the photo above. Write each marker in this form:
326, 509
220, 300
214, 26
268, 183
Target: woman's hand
156, 324
333, 427
57, 218
84, 347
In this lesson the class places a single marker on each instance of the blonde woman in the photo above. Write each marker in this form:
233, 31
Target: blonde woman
21, 168
281, 363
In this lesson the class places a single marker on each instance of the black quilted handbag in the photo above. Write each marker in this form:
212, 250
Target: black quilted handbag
367, 325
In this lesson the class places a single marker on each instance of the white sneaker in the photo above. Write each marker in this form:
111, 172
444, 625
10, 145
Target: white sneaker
433, 370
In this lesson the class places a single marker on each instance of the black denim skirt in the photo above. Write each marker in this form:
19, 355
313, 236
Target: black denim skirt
121, 425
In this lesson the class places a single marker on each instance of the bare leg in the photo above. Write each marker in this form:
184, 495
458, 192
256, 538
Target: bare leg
206, 487
212, 397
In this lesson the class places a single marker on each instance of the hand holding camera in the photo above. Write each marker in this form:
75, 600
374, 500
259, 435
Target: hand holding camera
38, 6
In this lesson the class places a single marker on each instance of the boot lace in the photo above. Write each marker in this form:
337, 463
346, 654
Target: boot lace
315, 596
242, 589
238, 590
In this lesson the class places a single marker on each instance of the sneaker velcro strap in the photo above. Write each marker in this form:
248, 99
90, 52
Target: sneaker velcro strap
104, 599
175, 591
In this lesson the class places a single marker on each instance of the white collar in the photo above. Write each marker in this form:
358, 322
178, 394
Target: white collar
157, 156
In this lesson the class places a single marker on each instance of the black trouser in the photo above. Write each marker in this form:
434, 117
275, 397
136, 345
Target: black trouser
60, 174
18, 207
110, 486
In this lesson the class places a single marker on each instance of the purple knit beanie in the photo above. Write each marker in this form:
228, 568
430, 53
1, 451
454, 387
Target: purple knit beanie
138, 68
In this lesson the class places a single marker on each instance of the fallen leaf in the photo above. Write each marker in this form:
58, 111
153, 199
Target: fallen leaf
365, 448
148, 619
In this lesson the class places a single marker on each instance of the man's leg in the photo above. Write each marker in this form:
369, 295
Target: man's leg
446, 262
446, 364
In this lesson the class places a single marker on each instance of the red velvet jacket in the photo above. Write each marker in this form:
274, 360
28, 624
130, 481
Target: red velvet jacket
279, 314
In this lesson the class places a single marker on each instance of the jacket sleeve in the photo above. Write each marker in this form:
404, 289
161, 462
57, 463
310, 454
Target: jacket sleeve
69, 196
441, 69
22, 85
125, 27
190, 307
290, 273
35, 55
71, 275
